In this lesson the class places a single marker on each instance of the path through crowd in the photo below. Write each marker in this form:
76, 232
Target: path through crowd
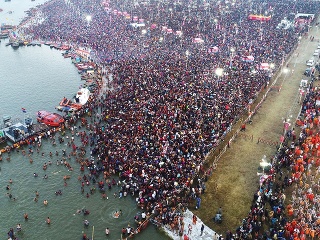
234, 182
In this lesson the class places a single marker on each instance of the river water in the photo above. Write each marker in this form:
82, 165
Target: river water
36, 78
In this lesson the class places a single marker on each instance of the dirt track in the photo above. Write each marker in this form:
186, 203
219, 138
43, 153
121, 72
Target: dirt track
235, 180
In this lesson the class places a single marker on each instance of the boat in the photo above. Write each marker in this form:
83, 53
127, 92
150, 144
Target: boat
15, 45
82, 96
18, 130
36, 43
6, 27
66, 108
64, 102
4, 35
3, 138
67, 105
21, 42
50, 119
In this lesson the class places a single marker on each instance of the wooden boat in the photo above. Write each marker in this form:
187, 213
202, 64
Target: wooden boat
4, 35
6, 27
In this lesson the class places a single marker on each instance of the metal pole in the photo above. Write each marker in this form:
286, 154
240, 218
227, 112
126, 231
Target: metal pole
92, 232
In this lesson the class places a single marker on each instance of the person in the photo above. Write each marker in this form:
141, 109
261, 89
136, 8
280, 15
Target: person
86, 223
189, 229
116, 214
48, 221
26, 217
86, 212
218, 218
194, 219
11, 233
128, 229
10, 195
45, 202
202, 228
107, 231
19, 227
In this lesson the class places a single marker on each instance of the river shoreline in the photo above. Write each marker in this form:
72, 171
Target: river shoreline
175, 178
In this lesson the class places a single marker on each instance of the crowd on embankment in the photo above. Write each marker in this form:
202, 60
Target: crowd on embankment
168, 108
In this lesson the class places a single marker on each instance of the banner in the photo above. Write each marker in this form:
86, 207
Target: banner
198, 40
247, 58
259, 17
213, 49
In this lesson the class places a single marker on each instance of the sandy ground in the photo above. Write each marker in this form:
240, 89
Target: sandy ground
235, 180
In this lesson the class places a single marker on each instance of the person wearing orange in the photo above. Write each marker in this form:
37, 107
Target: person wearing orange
290, 211
301, 168
312, 233
316, 121
307, 231
296, 168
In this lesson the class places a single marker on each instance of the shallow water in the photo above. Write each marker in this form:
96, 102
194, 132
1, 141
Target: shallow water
36, 78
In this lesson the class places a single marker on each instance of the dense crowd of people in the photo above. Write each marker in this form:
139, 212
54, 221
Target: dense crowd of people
166, 107
296, 165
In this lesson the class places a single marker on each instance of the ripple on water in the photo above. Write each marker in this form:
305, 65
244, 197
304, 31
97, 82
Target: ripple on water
37, 78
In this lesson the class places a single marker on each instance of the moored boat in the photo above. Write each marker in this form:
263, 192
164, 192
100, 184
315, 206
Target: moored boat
6, 26
15, 45
48, 43
16, 130
82, 96
4, 35
66, 108
50, 119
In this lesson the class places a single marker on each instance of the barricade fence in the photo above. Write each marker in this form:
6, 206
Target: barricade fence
248, 119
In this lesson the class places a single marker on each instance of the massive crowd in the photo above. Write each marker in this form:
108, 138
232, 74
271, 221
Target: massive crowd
296, 165
165, 107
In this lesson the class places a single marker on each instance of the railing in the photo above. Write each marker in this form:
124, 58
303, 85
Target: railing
248, 119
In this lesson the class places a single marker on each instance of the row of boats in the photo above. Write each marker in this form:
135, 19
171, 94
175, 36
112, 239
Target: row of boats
18, 43
16, 131
5, 30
